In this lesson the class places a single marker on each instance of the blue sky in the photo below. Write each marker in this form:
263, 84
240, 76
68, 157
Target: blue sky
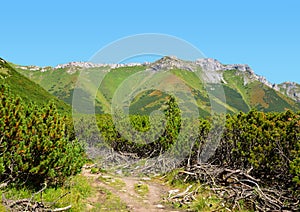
263, 34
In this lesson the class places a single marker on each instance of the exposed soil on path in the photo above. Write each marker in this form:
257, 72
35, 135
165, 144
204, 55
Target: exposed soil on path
151, 201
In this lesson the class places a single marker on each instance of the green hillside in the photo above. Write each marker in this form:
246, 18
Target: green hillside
27, 89
242, 92
257, 95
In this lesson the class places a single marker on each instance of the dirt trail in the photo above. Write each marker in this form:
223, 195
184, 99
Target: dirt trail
152, 201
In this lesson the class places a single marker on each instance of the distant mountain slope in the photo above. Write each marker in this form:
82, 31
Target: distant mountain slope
257, 94
27, 89
242, 87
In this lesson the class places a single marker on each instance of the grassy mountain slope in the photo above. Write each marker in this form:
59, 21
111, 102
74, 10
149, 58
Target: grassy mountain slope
258, 95
58, 82
26, 89
241, 91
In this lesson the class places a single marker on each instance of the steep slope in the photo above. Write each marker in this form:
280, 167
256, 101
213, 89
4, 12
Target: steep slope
258, 94
243, 89
27, 89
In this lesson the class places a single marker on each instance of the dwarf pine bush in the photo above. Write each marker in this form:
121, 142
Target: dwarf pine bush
35, 145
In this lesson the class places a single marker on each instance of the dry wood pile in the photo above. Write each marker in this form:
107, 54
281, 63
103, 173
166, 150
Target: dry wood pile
235, 187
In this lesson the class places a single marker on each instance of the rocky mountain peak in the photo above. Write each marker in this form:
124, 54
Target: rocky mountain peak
171, 62
207, 64
210, 64
214, 65
168, 59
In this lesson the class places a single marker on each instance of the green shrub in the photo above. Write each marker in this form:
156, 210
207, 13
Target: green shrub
130, 136
268, 142
266, 145
35, 145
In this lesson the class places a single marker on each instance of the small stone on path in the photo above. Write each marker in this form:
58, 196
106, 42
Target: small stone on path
159, 206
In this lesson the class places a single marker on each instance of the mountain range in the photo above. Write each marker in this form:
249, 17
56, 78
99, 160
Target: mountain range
243, 88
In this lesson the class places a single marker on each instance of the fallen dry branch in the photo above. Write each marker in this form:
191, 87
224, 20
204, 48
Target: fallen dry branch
31, 205
134, 164
185, 197
236, 187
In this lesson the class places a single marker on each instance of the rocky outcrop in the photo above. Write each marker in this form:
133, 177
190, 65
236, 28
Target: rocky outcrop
85, 65
214, 65
210, 64
208, 73
79, 65
206, 64
171, 62
72, 67
290, 89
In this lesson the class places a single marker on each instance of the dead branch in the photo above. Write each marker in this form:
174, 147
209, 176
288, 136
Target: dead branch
31, 205
62, 209
182, 193
232, 186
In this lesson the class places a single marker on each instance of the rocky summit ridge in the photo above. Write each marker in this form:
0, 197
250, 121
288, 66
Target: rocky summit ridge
212, 68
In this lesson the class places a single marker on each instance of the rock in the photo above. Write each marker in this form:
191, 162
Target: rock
85, 65
290, 89
145, 178
240, 67
210, 64
171, 192
159, 206
171, 62
119, 172
265, 81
